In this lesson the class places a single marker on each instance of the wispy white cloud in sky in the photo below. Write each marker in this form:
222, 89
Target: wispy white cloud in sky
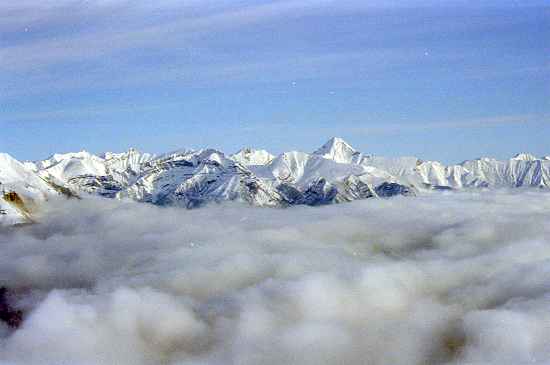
308, 63
131, 32
121, 26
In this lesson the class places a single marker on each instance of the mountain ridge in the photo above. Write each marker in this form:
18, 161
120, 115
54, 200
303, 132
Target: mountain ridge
333, 173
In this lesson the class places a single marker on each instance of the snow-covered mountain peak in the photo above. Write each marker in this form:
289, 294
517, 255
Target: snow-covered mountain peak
335, 143
63, 156
5, 157
481, 159
14, 176
195, 158
12, 170
252, 157
126, 162
211, 155
336, 172
110, 155
55, 159
175, 155
338, 150
524, 157
68, 165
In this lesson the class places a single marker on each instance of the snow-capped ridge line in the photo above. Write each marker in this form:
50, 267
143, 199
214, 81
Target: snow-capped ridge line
335, 172
338, 150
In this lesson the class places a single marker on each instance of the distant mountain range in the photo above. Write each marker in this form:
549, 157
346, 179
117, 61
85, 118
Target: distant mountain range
334, 173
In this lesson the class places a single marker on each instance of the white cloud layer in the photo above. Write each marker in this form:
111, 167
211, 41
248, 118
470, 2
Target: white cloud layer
454, 278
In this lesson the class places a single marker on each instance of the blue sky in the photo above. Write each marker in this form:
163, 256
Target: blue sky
448, 82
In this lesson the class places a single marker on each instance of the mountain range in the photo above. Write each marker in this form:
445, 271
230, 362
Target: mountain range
334, 173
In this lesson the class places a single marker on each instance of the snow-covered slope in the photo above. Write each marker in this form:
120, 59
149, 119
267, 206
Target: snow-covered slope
21, 191
192, 178
63, 167
516, 172
338, 150
105, 175
10, 215
15, 176
523, 170
127, 164
300, 169
335, 172
251, 157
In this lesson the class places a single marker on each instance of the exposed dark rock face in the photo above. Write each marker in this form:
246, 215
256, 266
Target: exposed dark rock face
442, 187
9, 315
354, 189
13, 198
62, 190
388, 189
289, 193
319, 192
437, 187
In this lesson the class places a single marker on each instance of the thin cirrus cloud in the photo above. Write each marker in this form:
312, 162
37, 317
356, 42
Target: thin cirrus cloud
207, 44
361, 67
134, 34
174, 25
286, 69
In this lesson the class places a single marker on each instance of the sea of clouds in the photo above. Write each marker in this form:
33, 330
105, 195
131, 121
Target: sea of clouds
442, 278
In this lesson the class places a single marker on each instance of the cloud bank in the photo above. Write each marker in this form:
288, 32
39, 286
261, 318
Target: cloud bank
444, 278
